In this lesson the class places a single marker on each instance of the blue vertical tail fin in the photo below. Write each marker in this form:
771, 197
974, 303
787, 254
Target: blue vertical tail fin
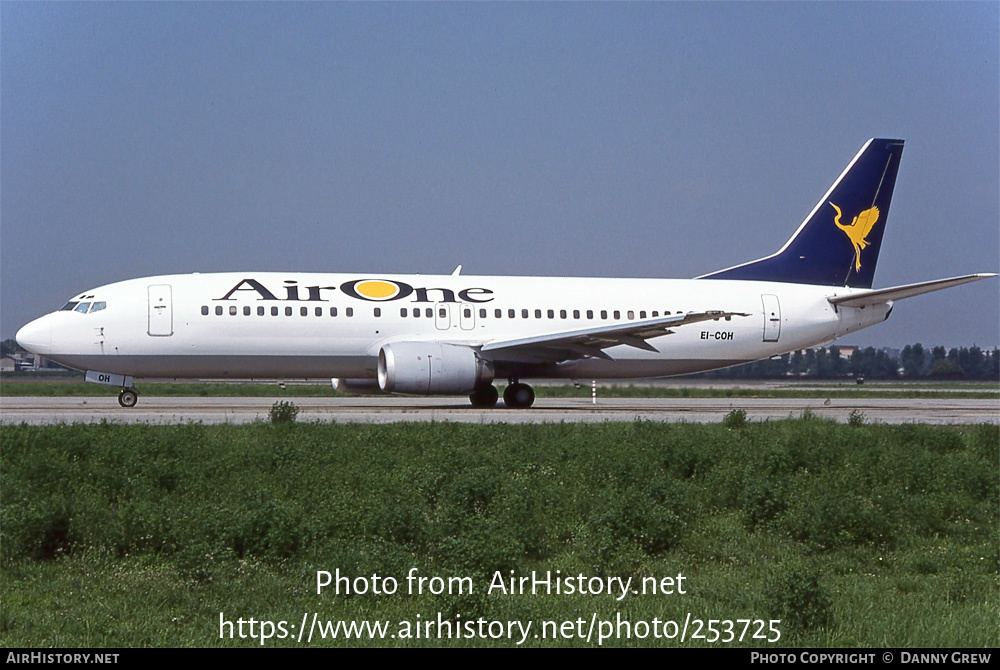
838, 243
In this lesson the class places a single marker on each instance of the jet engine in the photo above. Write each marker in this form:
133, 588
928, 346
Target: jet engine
425, 368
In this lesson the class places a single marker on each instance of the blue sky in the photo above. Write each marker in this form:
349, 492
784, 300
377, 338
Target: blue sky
625, 139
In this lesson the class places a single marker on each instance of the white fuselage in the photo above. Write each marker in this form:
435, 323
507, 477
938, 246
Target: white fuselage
299, 325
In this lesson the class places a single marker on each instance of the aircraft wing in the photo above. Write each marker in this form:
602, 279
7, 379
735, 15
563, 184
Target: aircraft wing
883, 295
591, 342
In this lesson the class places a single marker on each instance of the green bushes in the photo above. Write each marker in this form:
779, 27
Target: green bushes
142, 489
736, 419
745, 509
283, 411
799, 600
856, 418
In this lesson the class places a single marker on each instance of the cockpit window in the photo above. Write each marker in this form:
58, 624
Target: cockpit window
84, 307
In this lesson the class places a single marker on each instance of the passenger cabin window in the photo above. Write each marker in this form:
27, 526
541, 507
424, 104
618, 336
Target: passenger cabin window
498, 313
218, 310
303, 311
274, 311
538, 313
576, 314
524, 314
378, 311
604, 313
590, 314
319, 311
288, 311
482, 313
349, 311
260, 311
402, 311
551, 314
510, 314
246, 311
232, 310
333, 311
204, 310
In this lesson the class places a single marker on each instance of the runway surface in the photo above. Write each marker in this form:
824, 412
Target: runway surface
170, 410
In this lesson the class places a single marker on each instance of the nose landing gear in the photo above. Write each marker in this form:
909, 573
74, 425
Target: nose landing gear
128, 397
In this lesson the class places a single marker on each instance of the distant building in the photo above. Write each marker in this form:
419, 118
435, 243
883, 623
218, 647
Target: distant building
25, 361
847, 350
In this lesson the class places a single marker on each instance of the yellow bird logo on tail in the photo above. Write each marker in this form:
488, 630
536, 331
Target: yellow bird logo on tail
858, 230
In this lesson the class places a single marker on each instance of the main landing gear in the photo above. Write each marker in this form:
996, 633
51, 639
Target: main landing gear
515, 396
128, 397
484, 397
518, 395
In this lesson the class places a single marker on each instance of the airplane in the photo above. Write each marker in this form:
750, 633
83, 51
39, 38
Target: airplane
456, 334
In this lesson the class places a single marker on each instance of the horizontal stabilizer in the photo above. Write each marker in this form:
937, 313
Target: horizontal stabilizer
884, 295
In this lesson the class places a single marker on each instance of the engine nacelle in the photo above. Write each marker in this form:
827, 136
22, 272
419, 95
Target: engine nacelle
356, 386
425, 368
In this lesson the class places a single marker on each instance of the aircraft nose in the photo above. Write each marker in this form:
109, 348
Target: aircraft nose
36, 336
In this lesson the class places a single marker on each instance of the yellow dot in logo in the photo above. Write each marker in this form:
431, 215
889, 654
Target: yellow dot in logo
377, 289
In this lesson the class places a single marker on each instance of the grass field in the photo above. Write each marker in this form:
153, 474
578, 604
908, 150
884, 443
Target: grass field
863, 535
